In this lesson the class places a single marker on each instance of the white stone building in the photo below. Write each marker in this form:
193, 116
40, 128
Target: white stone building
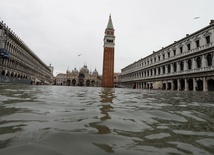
186, 64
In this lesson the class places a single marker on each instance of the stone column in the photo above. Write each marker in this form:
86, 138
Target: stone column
166, 85
157, 71
161, 69
194, 63
186, 85
166, 69
194, 84
185, 65
213, 59
172, 68
179, 85
178, 67
203, 62
204, 84
172, 85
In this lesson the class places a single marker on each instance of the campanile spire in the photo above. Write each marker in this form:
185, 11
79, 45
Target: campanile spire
108, 55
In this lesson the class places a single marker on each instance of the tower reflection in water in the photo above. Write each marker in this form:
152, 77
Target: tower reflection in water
107, 95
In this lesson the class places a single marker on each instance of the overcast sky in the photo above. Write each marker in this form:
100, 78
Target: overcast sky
59, 30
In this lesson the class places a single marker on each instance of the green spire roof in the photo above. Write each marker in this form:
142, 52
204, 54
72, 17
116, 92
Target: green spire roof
110, 24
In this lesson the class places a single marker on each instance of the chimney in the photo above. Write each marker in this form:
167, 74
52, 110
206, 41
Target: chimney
211, 21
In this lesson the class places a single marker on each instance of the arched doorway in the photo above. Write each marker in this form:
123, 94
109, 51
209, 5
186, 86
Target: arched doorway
200, 85
169, 86
3, 72
190, 84
210, 84
175, 85
164, 86
68, 82
81, 82
87, 83
73, 82
182, 83
92, 83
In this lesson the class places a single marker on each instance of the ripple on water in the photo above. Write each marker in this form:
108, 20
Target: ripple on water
83, 120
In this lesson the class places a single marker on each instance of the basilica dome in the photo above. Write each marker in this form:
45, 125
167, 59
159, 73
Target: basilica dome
75, 70
84, 69
95, 72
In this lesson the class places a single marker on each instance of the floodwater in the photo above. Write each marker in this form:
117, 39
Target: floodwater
59, 120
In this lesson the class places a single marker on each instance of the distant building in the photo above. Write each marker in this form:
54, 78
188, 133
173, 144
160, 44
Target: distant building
186, 64
83, 77
117, 80
18, 63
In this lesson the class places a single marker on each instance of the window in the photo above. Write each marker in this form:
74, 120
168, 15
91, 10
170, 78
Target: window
169, 68
209, 60
168, 54
163, 56
198, 62
197, 43
175, 67
158, 58
163, 69
208, 39
188, 47
109, 41
181, 49
189, 64
182, 65
174, 52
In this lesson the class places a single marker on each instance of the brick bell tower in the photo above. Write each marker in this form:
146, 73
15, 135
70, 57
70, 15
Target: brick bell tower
108, 56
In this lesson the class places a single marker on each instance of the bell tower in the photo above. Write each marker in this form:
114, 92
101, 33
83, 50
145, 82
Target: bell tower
108, 56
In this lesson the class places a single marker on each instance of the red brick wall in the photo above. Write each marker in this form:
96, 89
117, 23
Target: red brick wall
108, 67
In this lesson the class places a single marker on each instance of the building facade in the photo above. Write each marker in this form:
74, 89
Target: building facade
18, 63
187, 64
108, 56
79, 78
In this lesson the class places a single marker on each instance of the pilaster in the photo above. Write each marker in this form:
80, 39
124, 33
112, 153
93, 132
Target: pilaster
186, 85
204, 84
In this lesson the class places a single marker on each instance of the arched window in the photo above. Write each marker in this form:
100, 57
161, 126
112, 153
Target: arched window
163, 69
182, 65
81, 76
189, 64
209, 60
169, 68
198, 60
175, 67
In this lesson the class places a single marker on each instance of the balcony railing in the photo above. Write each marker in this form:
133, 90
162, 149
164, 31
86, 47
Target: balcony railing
181, 55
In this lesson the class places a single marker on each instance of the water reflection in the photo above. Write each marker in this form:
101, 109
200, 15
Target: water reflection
84, 120
107, 95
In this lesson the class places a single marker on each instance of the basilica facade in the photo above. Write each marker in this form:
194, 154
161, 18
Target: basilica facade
82, 77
